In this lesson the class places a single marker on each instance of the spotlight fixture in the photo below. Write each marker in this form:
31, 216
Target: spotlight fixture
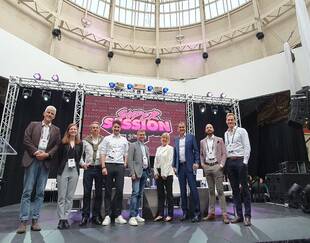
165, 90
110, 54
223, 95
37, 76
55, 77
46, 95
27, 93
157, 61
260, 35
227, 109
56, 33
66, 95
214, 110
129, 86
205, 55
202, 108
112, 85
150, 88
209, 94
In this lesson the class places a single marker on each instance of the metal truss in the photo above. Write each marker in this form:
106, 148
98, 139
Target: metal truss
190, 115
8, 117
78, 108
242, 30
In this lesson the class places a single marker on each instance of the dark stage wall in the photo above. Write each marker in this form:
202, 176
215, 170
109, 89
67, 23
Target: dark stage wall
27, 111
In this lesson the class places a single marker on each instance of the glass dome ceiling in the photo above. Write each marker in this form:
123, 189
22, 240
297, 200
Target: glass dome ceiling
172, 13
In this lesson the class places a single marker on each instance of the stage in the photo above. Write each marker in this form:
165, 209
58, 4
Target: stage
270, 223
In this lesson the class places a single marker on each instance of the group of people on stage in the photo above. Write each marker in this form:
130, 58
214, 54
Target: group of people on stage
105, 159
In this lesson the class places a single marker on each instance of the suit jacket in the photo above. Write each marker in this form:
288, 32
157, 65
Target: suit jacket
31, 143
63, 156
191, 152
220, 150
135, 159
163, 161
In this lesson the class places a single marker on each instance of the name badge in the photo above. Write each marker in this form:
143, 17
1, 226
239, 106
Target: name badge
43, 144
230, 149
145, 162
71, 163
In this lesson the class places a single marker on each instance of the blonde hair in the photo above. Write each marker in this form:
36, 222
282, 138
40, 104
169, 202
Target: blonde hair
166, 135
66, 140
230, 114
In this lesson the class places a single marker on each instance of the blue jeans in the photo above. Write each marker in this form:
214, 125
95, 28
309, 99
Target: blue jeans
37, 174
137, 191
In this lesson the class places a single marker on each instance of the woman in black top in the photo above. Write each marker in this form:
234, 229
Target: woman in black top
70, 152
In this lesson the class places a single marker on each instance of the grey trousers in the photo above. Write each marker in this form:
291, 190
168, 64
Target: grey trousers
66, 185
215, 177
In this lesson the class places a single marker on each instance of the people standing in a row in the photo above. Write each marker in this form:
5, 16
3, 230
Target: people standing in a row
238, 154
113, 161
41, 142
163, 173
213, 157
92, 146
70, 153
186, 162
139, 167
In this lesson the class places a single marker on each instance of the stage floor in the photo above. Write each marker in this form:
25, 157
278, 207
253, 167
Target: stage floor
270, 223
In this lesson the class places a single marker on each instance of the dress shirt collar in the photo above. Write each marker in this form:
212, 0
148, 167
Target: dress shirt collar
44, 124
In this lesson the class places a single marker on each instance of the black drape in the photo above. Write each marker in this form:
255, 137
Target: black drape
28, 110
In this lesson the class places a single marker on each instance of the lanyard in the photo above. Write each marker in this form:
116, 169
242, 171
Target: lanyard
232, 140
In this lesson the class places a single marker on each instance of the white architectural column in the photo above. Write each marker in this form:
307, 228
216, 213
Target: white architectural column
55, 26
157, 33
259, 25
111, 16
203, 33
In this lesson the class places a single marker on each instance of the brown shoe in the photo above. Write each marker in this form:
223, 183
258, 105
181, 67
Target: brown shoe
210, 217
247, 221
22, 227
226, 219
35, 225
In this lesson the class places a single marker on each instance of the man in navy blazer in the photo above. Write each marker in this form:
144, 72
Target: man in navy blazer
185, 162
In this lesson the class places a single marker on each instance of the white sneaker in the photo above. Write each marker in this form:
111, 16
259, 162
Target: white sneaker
106, 221
120, 220
132, 221
140, 219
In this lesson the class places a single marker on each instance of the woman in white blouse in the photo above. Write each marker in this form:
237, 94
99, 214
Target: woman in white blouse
163, 173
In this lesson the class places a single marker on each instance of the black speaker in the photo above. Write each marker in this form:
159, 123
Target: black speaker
299, 167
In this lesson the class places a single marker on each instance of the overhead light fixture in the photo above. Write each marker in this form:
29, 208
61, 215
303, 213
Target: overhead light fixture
129, 86
46, 95
56, 33
165, 90
223, 95
150, 88
227, 109
37, 76
27, 93
209, 94
214, 109
55, 77
202, 108
66, 95
112, 85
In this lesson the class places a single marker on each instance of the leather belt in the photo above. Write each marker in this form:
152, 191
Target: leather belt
94, 166
236, 157
212, 164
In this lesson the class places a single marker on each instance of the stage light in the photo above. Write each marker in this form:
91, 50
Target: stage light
112, 85
55, 78
66, 96
56, 33
202, 108
223, 95
305, 199
209, 94
150, 88
27, 93
205, 55
227, 109
37, 76
46, 95
110, 54
129, 86
214, 110
260, 35
294, 196
165, 90
157, 61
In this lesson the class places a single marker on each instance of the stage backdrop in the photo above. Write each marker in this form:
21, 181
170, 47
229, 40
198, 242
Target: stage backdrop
155, 117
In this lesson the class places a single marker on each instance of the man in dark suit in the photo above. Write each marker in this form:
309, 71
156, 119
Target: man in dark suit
139, 166
185, 162
41, 142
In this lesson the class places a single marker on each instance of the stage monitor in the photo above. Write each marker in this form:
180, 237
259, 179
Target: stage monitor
155, 117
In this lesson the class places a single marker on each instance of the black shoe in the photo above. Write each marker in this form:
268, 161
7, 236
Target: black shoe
247, 221
84, 221
96, 220
237, 220
66, 224
61, 225
196, 219
184, 217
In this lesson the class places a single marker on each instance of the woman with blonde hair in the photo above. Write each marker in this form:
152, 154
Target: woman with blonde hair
163, 173
70, 153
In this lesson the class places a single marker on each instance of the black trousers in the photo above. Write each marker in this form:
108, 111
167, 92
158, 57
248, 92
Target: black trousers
115, 177
164, 187
238, 176
90, 175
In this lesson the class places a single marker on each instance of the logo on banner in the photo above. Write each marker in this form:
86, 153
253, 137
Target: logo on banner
138, 119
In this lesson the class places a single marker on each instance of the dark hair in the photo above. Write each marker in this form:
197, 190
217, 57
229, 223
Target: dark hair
66, 140
118, 122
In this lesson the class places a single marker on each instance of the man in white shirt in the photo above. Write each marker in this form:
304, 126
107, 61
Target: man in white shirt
113, 161
238, 154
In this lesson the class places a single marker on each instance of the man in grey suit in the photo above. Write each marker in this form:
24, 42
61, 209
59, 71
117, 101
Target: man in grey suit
213, 158
139, 165
41, 142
